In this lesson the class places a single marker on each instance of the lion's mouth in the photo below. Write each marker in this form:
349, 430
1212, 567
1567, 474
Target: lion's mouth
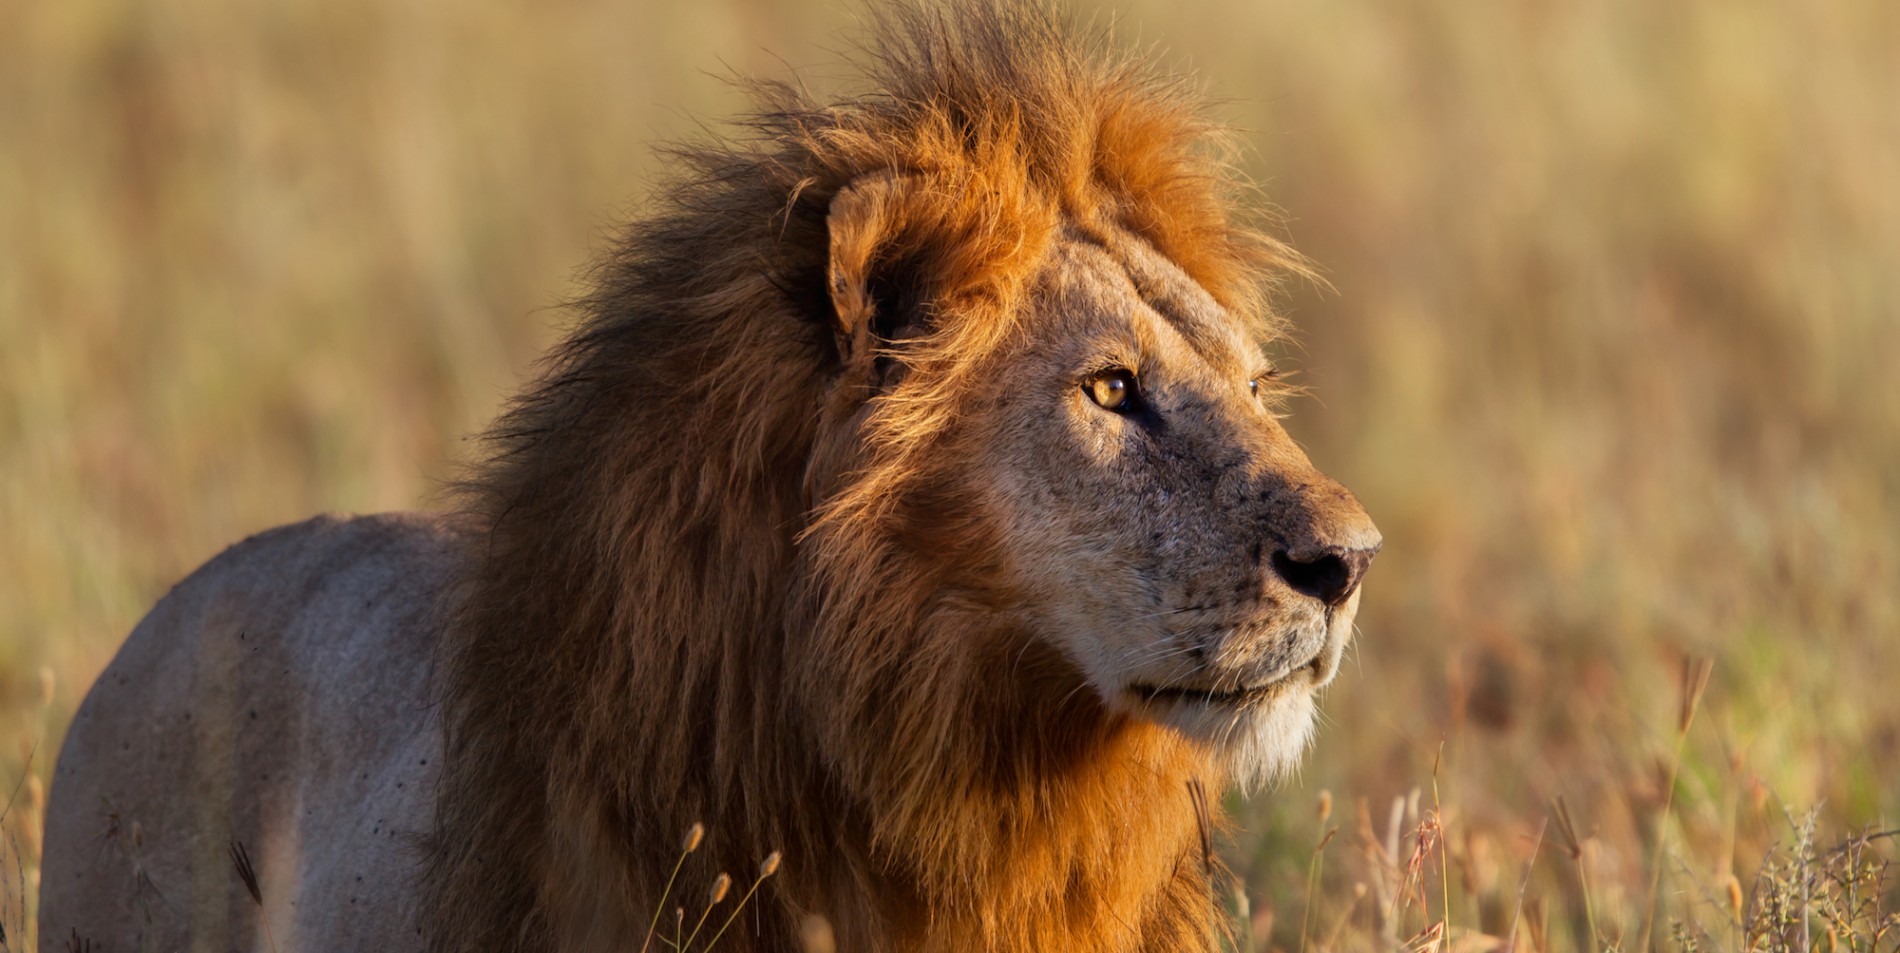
1173, 694
1153, 694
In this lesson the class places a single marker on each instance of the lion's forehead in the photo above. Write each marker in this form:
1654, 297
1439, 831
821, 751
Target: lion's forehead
1118, 286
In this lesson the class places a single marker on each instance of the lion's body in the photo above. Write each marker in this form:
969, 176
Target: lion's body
908, 501
275, 698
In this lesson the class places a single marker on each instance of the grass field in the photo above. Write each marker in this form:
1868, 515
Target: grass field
1611, 358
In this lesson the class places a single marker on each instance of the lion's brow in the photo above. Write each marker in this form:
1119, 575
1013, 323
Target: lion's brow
1199, 335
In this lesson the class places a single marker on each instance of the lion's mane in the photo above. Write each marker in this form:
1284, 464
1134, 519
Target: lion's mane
671, 617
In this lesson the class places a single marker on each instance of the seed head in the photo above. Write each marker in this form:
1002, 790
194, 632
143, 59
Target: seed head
720, 885
694, 835
769, 866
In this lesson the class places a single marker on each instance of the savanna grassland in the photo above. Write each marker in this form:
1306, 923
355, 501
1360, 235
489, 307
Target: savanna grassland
1612, 354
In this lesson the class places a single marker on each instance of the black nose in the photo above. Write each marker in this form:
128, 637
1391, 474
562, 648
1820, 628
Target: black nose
1329, 576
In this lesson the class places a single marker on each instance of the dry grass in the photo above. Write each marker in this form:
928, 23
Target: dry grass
682, 940
1609, 361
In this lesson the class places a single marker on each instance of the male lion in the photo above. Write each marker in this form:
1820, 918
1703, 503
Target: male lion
911, 501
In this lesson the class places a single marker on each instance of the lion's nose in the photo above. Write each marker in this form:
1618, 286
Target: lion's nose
1329, 574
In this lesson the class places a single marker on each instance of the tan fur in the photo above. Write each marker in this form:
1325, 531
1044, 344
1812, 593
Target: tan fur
275, 698
811, 532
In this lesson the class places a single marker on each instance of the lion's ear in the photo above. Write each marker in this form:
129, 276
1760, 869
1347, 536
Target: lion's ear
871, 293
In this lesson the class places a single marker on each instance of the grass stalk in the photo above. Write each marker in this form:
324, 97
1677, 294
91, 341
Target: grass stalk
1444, 849
694, 835
1574, 845
1695, 680
714, 897
766, 869
1315, 866
1524, 886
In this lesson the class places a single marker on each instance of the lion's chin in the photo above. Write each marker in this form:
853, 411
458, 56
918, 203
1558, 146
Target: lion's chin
1255, 737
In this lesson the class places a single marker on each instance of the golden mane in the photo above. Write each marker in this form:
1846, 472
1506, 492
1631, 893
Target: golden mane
670, 618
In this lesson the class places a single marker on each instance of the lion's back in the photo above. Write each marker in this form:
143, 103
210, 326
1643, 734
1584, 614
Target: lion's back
277, 698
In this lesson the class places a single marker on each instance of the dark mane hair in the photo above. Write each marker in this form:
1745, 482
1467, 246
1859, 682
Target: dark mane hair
672, 614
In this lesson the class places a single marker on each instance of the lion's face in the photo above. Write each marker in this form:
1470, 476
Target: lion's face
1167, 534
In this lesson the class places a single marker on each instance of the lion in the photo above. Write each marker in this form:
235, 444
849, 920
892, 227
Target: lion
911, 500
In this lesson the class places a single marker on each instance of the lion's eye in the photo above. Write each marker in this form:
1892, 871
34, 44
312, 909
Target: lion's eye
1253, 386
1113, 390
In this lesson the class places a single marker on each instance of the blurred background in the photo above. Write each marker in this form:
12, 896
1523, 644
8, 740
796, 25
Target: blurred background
1610, 355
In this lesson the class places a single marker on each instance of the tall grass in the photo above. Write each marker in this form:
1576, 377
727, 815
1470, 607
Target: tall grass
1609, 361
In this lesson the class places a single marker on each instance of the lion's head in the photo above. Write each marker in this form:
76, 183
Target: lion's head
1110, 475
1161, 528
913, 500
